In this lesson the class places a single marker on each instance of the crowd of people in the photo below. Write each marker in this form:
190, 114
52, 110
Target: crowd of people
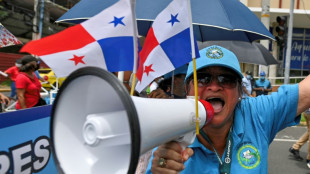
247, 116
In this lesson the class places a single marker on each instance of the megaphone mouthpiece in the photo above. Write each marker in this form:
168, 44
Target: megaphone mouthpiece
209, 109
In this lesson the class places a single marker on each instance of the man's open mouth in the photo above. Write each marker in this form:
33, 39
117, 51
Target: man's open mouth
217, 104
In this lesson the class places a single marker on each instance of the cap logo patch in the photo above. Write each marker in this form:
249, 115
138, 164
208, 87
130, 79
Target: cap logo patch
214, 53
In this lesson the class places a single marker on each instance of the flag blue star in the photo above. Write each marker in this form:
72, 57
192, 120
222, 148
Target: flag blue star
117, 21
173, 19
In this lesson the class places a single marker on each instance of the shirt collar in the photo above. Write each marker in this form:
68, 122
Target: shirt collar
197, 144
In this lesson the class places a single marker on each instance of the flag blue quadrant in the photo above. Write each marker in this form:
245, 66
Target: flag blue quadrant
178, 48
115, 51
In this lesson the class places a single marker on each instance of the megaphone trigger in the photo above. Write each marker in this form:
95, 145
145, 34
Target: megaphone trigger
187, 139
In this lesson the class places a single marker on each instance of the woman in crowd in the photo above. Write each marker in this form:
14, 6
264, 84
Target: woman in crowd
27, 84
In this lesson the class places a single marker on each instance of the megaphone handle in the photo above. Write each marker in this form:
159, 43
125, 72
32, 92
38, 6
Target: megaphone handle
187, 139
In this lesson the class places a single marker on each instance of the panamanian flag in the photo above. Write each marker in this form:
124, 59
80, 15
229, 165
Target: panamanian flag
167, 45
104, 41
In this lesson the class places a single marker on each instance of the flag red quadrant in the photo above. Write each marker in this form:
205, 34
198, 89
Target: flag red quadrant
149, 44
72, 38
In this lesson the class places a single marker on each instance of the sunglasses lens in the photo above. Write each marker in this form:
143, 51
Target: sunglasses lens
227, 81
224, 80
203, 79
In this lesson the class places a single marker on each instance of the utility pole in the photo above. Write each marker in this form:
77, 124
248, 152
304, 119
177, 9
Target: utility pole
265, 19
289, 44
35, 22
41, 21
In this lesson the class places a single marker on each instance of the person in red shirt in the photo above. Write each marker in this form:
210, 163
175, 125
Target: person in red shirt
27, 84
12, 72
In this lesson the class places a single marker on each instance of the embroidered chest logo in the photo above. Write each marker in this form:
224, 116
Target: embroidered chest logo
248, 156
214, 53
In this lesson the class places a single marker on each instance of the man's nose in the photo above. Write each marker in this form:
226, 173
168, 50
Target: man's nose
214, 85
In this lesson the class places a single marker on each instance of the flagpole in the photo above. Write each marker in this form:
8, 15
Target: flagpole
172, 84
135, 45
194, 64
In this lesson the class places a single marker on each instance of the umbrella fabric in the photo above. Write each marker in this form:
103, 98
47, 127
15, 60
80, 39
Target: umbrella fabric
212, 20
253, 53
7, 38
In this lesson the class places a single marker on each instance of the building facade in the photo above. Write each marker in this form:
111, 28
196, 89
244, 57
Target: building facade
300, 48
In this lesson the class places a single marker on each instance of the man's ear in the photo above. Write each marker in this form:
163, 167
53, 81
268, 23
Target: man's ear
240, 90
186, 91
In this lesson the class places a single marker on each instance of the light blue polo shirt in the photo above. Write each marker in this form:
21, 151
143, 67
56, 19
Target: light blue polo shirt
264, 84
256, 123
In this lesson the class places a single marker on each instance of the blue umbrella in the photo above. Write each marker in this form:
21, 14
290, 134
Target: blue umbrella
212, 19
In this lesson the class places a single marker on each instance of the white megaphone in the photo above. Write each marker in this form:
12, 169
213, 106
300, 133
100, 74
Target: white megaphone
96, 127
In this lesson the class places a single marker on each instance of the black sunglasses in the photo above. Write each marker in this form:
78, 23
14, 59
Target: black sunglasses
223, 80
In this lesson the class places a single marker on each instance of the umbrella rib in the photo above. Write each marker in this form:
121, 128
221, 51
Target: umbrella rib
227, 16
71, 19
200, 34
254, 33
215, 26
249, 31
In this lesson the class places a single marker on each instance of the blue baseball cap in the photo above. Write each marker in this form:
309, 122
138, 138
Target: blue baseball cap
262, 73
215, 56
180, 70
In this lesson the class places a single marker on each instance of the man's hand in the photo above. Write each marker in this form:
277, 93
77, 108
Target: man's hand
169, 158
158, 93
4, 99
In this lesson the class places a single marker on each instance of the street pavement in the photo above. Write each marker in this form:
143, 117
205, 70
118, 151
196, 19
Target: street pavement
280, 160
